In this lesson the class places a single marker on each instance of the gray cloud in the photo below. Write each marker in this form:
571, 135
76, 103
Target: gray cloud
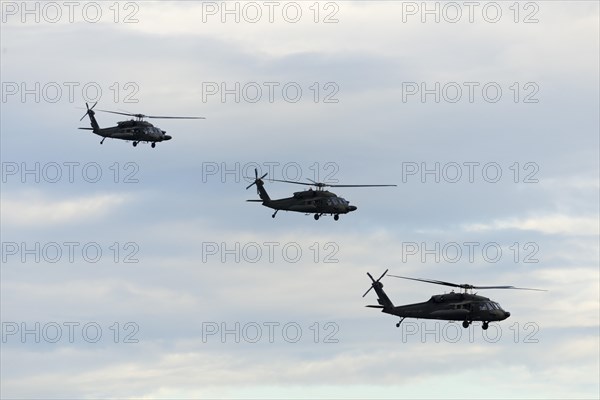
174, 206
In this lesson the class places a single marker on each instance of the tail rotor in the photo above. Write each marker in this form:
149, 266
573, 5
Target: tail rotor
375, 282
257, 181
89, 111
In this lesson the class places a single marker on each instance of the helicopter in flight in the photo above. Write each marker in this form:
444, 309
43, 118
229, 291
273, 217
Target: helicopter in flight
136, 130
464, 306
318, 202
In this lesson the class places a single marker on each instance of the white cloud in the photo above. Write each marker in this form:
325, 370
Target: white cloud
34, 209
170, 292
547, 224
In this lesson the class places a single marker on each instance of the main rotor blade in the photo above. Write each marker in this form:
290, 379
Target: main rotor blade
320, 184
120, 113
148, 116
359, 185
508, 287
154, 116
429, 281
465, 285
294, 182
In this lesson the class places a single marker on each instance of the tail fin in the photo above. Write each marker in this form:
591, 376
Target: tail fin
382, 298
90, 112
260, 186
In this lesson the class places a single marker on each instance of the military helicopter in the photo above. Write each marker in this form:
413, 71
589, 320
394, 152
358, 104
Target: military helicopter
464, 306
317, 202
136, 130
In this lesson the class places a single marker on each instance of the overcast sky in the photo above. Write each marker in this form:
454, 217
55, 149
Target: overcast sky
141, 272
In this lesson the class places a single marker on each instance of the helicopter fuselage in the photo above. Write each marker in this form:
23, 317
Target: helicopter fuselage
312, 201
452, 307
137, 131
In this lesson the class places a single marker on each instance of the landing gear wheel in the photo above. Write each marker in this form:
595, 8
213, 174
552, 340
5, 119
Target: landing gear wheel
465, 324
336, 217
153, 145
317, 217
398, 325
484, 326
135, 144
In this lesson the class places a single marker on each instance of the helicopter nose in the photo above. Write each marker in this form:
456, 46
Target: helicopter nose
351, 208
166, 137
506, 314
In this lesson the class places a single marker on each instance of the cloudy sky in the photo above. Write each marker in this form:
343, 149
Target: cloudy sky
140, 272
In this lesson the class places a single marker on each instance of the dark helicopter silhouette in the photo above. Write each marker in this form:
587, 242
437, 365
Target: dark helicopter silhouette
136, 130
317, 202
463, 306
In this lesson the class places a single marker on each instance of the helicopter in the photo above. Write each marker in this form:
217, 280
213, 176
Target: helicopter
136, 130
464, 306
318, 202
